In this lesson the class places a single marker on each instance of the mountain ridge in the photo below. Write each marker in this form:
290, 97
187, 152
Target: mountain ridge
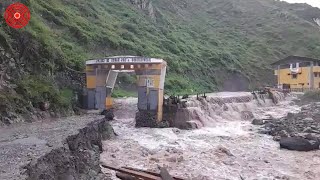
209, 45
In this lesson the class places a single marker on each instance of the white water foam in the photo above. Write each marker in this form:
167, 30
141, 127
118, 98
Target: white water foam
229, 150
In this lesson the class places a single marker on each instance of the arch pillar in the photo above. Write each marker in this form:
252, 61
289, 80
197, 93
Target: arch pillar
150, 95
101, 76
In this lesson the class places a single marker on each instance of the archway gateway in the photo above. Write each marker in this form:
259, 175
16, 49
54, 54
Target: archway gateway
101, 75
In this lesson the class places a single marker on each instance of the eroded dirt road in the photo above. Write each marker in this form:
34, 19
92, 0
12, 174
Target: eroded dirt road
24, 143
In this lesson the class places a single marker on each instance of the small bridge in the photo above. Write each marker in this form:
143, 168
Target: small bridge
101, 75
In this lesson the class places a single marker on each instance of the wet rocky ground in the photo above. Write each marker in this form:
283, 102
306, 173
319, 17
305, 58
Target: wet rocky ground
47, 148
301, 127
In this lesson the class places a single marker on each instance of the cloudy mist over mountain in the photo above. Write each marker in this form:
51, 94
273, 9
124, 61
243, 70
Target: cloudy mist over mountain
315, 3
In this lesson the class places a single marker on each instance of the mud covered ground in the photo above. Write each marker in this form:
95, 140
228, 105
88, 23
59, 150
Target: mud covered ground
232, 149
21, 144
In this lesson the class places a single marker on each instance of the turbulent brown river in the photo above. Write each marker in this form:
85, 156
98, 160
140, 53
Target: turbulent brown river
230, 148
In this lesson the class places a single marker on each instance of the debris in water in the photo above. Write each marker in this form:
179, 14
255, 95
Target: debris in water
127, 173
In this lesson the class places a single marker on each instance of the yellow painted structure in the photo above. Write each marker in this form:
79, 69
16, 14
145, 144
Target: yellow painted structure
296, 72
101, 76
91, 82
109, 102
301, 80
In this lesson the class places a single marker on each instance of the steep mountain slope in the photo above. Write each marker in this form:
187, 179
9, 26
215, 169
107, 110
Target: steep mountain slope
209, 44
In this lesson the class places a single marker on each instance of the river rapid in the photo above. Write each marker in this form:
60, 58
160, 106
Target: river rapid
230, 148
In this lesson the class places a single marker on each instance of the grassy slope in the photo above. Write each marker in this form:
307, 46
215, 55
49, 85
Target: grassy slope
197, 38
233, 35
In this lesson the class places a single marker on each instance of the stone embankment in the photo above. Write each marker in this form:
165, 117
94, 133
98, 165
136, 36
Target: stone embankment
297, 131
63, 149
198, 112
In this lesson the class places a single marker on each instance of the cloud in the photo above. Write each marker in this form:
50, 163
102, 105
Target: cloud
315, 3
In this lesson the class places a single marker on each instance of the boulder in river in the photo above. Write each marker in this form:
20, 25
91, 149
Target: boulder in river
290, 115
247, 115
281, 134
298, 144
44, 106
258, 122
109, 115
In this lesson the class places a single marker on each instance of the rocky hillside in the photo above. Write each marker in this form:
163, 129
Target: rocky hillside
209, 45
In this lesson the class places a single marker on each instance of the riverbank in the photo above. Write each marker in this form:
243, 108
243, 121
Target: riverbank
61, 149
301, 127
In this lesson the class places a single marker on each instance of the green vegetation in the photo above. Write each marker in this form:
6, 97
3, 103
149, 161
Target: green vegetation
37, 90
120, 93
204, 42
196, 38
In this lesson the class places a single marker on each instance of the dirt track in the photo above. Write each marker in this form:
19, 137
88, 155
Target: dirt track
20, 144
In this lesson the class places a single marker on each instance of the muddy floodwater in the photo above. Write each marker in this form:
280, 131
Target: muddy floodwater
231, 149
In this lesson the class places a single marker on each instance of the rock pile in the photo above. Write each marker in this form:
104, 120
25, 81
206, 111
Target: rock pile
300, 131
149, 119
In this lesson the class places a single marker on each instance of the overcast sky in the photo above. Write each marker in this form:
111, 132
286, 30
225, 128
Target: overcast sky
315, 3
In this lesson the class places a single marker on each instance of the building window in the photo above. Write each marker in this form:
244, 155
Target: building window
294, 76
315, 74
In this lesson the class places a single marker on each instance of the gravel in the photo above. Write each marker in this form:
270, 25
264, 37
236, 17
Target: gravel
304, 124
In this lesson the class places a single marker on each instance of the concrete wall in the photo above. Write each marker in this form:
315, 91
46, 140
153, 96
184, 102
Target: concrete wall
285, 77
101, 76
305, 75
316, 69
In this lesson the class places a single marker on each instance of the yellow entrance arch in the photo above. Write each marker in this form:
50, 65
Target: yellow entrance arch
101, 75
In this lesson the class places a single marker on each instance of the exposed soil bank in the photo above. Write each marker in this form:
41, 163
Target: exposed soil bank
63, 149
